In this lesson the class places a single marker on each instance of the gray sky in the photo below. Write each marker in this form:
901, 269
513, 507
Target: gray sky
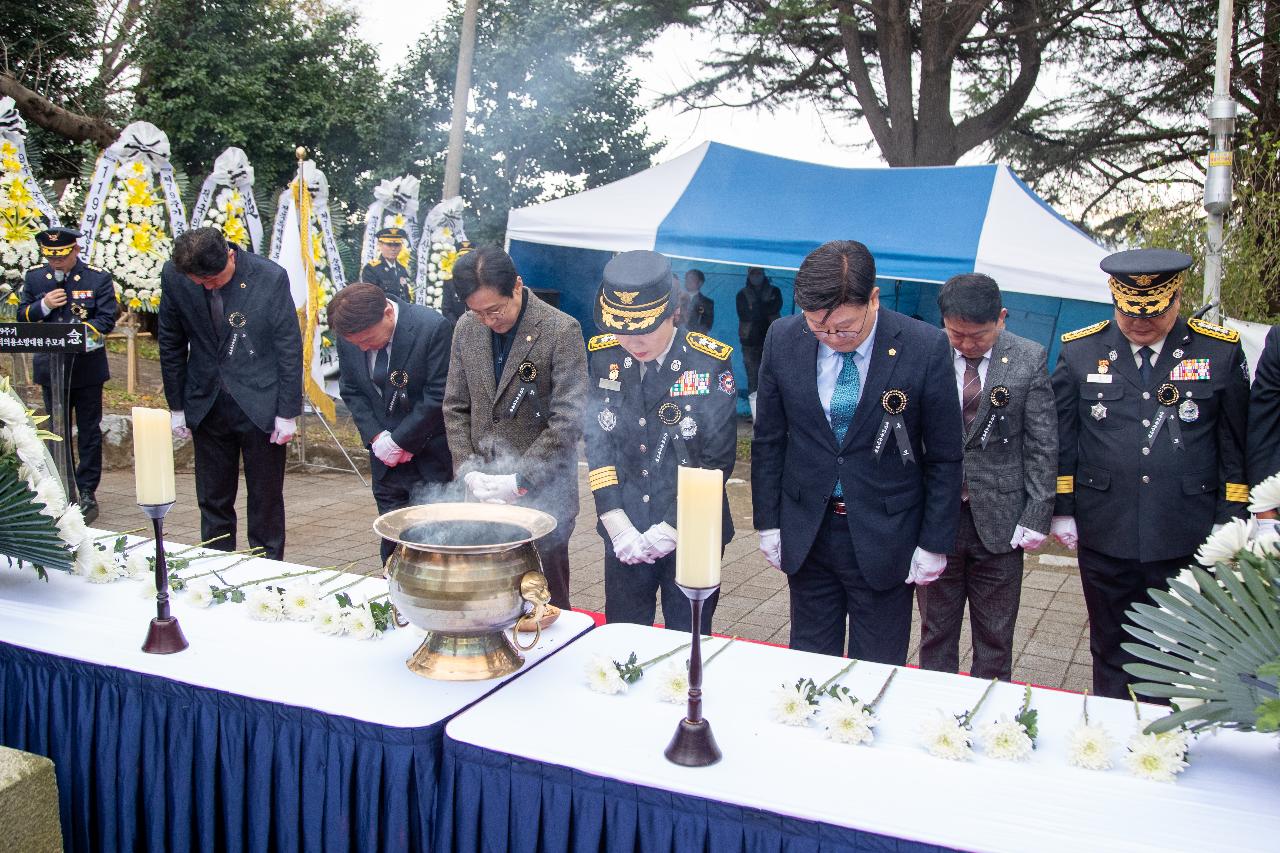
799, 132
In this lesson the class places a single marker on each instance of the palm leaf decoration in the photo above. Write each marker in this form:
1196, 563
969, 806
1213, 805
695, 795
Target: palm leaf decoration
1209, 643
25, 533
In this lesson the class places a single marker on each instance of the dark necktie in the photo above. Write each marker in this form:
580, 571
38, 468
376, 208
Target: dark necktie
652, 381
216, 316
1144, 365
972, 391
381, 367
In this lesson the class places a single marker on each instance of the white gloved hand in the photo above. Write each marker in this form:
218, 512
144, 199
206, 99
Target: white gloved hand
178, 424
629, 544
494, 488
284, 431
659, 540
1026, 538
1063, 528
771, 546
926, 567
388, 452
1268, 525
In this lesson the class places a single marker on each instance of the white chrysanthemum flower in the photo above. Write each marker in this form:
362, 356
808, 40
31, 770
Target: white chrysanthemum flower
11, 411
1155, 757
136, 564
49, 492
1006, 740
791, 707
1266, 544
1266, 495
358, 622
673, 683
301, 601
71, 527
1222, 546
944, 737
328, 618
1090, 747
27, 444
847, 720
603, 676
96, 565
265, 604
199, 594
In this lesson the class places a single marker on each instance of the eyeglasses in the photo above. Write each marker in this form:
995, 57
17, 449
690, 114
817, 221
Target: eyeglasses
496, 313
841, 334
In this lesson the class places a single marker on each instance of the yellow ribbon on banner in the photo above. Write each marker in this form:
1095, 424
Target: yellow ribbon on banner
322, 402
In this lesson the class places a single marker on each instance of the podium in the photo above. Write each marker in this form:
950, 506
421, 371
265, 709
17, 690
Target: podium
62, 342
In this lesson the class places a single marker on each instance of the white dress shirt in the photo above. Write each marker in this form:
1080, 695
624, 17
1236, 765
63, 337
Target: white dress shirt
960, 364
372, 354
1155, 350
830, 363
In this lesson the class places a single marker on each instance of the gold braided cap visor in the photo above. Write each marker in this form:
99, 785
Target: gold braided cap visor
1144, 301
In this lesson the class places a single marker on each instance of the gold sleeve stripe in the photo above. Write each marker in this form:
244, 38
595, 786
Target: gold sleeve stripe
602, 478
1066, 485
1237, 492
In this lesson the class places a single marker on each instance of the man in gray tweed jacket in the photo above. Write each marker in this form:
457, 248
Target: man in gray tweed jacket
514, 400
1010, 463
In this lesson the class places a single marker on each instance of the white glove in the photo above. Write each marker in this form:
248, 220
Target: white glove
659, 540
1063, 528
494, 488
771, 546
629, 544
284, 431
1026, 538
178, 424
388, 452
926, 567
1268, 525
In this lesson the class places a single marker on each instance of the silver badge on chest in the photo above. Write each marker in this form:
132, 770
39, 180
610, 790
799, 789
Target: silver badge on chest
1098, 411
688, 427
1189, 411
608, 420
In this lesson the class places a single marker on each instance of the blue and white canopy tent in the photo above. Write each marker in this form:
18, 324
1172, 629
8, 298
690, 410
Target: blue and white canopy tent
721, 209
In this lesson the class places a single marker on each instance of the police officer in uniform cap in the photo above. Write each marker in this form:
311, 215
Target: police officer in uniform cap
67, 290
386, 271
1151, 423
662, 396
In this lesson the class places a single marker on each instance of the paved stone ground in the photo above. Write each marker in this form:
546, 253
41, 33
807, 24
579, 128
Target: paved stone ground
329, 518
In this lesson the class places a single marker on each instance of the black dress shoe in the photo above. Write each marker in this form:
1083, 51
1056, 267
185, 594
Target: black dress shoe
88, 507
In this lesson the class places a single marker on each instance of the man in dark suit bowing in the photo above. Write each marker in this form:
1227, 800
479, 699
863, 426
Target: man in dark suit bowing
856, 460
394, 359
231, 359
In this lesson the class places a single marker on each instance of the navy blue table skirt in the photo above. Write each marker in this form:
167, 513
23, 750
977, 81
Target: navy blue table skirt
147, 764
494, 802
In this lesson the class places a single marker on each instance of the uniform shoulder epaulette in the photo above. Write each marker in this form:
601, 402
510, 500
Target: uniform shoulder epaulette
1210, 330
1085, 332
95, 269
375, 262
709, 345
600, 342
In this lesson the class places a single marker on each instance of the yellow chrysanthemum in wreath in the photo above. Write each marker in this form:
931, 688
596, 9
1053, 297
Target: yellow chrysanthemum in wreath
19, 194
144, 238
17, 225
233, 229
317, 249
8, 149
447, 260
10, 164
138, 193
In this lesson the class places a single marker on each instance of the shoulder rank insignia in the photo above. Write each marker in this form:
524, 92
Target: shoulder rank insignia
376, 262
600, 342
708, 345
1210, 330
1085, 332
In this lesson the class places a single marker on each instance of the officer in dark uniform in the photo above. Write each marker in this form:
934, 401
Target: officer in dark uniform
662, 396
67, 290
386, 271
1151, 423
700, 311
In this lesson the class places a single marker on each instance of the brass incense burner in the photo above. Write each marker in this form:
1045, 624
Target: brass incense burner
465, 573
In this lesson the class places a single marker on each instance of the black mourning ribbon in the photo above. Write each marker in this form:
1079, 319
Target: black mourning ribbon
1166, 415
893, 423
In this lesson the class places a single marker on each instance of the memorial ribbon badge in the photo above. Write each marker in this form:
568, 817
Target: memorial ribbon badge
999, 397
237, 321
894, 402
1167, 396
528, 374
399, 380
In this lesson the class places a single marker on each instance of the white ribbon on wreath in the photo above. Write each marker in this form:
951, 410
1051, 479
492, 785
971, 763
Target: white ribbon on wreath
141, 142
395, 197
444, 225
232, 170
13, 129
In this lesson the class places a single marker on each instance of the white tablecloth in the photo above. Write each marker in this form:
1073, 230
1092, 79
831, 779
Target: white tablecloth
1228, 799
288, 662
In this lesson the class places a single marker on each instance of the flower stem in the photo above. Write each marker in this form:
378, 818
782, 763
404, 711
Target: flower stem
1026, 701
883, 689
358, 580
200, 544
708, 661
1086, 707
249, 552
662, 657
973, 712
839, 675
340, 571
1137, 711
117, 535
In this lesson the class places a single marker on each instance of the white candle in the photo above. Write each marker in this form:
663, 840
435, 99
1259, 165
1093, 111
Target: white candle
153, 456
699, 501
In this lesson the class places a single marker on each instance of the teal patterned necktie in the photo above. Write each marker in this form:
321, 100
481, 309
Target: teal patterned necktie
844, 399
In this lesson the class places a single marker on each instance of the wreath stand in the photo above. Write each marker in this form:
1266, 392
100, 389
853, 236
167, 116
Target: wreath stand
308, 409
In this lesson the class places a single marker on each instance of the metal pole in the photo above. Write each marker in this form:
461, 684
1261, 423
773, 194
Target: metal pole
461, 98
1217, 184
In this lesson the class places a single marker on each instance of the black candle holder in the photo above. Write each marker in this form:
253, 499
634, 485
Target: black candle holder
164, 637
693, 744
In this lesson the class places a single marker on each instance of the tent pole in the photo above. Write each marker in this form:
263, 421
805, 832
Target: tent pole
1217, 184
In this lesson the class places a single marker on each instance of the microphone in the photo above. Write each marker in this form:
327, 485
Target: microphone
59, 276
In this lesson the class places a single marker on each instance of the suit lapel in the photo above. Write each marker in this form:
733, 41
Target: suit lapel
527, 333
879, 373
996, 370
402, 340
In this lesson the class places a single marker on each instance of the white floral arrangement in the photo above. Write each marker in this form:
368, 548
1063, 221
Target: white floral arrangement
613, 677
440, 260
37, 526
227, 214
20, 221
133, 241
